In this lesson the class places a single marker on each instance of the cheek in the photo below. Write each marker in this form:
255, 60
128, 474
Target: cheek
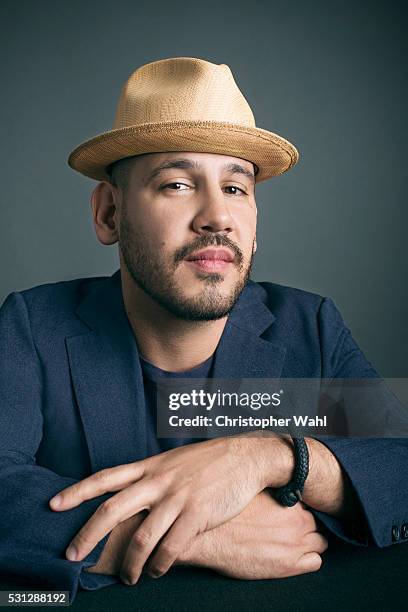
164, 232
173, 227
150, 226
246, 231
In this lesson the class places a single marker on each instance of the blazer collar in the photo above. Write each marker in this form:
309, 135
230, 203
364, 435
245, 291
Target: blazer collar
107, 376
250, 312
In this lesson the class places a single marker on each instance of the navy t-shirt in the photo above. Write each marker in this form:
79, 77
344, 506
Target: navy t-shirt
151, 374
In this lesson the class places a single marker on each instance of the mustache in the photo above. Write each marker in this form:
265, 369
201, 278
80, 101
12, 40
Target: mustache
209, 240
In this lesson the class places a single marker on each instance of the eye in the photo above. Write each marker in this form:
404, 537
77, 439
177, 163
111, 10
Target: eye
175, 187
235, 187
171, 186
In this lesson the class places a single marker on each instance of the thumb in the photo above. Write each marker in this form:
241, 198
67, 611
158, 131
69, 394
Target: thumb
309, 562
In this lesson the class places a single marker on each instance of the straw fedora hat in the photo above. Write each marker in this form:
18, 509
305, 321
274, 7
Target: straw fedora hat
184, 104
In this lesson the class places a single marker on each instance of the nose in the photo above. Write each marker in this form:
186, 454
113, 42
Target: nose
213, 215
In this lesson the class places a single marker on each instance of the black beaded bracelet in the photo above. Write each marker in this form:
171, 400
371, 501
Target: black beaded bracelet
291, 493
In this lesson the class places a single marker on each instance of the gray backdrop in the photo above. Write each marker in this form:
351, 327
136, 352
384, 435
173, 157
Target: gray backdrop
329, 76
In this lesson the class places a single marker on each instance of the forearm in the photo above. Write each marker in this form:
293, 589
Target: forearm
327, 487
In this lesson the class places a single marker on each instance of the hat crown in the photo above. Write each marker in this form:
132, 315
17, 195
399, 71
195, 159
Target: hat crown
182, 89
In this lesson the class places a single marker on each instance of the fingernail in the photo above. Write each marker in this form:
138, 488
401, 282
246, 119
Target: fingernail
71, 552
126, 579
56, 501
153, 574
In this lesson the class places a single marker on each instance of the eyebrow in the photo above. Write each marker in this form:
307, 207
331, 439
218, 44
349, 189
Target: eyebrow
181, 163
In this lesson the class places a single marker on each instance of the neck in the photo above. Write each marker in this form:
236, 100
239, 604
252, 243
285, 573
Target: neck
170, 343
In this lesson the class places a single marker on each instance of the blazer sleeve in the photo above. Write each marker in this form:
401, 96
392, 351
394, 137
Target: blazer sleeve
33, 538
377, 468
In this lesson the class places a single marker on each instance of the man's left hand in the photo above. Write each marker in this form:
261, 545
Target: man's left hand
186, 491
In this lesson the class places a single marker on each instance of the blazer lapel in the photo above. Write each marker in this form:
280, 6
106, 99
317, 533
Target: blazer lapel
107, 378
241, 353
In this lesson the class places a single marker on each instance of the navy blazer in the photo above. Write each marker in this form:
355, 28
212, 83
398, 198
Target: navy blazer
72, 403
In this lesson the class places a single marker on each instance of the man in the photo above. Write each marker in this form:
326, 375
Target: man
176, 190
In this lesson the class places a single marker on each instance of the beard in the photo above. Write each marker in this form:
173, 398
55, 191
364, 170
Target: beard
156, 277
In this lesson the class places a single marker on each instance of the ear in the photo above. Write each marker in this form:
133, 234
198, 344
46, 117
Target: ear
104, 212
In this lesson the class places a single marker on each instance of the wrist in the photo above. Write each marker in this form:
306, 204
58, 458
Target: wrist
190, 555
290, 493
278, 461
326, 486
201, 549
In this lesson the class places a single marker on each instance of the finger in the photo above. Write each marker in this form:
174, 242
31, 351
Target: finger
104, 481
145, 538
309, 521
309, 562
174, 543
315, 542
115, 510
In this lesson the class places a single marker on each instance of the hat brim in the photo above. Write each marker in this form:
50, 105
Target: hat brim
271, 153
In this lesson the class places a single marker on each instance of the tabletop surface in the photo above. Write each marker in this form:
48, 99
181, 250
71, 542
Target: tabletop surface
351, 576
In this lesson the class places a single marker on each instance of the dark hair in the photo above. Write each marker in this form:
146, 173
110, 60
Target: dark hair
119, 172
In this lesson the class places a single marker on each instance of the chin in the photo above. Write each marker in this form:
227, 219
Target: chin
193, 312
204, 281
208, 304
208, 291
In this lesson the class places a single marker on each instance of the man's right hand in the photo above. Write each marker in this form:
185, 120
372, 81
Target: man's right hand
265, 541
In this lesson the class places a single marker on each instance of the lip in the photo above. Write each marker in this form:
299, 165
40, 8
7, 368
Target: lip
221, 255
211, 260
